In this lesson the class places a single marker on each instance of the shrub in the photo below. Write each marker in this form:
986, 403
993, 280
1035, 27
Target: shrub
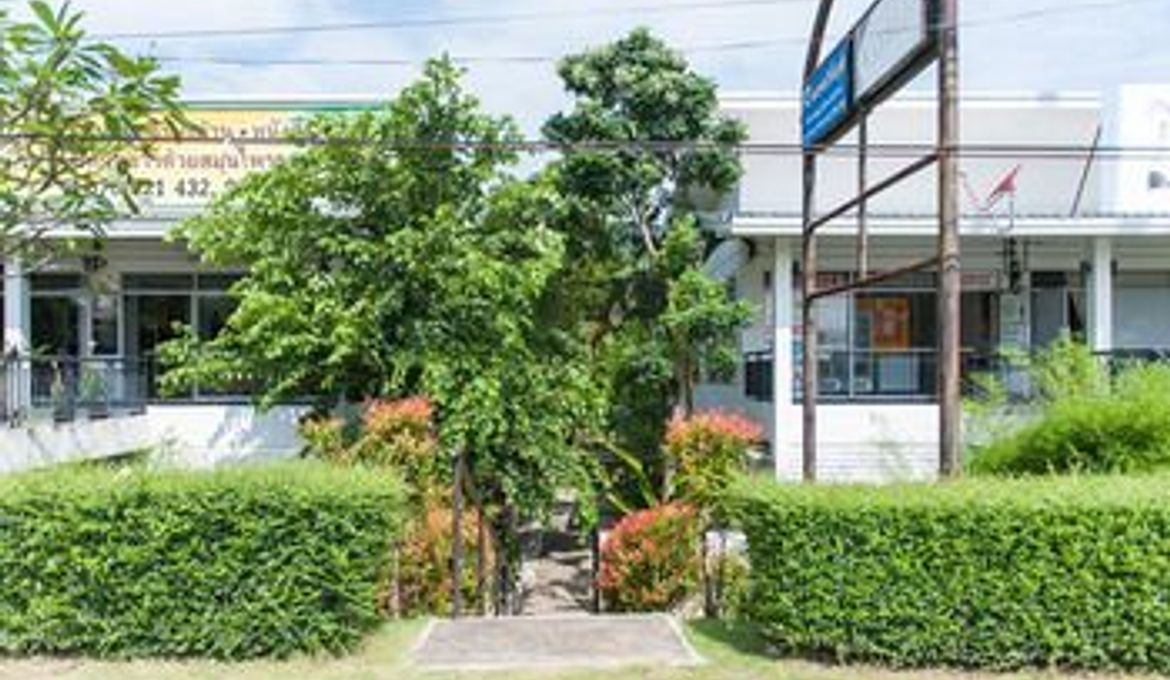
424, 573
710, 448
649, 562
1121, 427
241, 562
325, 438
999, 574
399, 434
393, 433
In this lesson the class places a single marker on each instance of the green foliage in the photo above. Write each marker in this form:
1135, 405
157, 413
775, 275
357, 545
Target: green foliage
72, 113
653, 318
1082, 418
997, 574
650, 560
236, 563
376, 270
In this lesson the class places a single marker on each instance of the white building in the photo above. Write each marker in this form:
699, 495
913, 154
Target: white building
1088, 252
1085, 251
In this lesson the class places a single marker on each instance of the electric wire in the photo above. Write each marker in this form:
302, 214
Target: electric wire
537, 146
431, 22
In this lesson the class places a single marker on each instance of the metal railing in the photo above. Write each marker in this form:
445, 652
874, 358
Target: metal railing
871, 375
877, 375
64, 388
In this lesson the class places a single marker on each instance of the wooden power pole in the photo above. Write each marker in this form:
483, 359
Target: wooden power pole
950, 273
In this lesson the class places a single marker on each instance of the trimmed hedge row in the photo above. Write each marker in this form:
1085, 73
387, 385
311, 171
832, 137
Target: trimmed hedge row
997, 574
242, 562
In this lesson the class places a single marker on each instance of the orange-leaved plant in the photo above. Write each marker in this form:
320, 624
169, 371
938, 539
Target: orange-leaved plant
649, 560
400, 433
708, 450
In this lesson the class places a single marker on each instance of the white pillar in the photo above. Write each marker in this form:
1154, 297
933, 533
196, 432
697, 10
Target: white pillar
1101, 292
17, 336
16, 307
782, 376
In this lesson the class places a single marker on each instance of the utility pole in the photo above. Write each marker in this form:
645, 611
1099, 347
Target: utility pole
808, 268
950, 273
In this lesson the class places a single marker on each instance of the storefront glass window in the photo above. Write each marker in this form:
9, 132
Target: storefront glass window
882, 342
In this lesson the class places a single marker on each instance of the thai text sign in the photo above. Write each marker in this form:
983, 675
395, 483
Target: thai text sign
827, 97
238, 141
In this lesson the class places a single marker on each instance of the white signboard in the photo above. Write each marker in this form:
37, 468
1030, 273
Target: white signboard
1140, 118
893, 30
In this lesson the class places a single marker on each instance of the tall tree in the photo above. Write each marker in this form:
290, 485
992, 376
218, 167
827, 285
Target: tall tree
396, 256
643, 138
73, 112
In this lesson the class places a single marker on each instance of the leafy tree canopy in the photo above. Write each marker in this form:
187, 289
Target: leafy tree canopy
645, 140
73, 112
408, 263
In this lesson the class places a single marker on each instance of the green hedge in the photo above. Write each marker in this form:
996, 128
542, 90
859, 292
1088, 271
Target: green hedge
242, 562
998, 574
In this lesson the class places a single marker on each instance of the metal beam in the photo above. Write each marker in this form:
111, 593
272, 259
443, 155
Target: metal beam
1092, 155
860, 200
867, 281
862, 216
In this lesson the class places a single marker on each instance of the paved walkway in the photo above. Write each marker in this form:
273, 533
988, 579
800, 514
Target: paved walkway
553, 641
561, 578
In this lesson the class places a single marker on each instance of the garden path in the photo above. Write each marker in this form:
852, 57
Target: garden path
553, 641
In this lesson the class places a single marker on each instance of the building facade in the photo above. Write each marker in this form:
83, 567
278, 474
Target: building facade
1053, 243
1081, 246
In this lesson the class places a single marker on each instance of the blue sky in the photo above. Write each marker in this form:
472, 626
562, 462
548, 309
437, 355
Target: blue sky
1005, 44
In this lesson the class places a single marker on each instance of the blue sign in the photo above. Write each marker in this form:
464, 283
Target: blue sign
828, 96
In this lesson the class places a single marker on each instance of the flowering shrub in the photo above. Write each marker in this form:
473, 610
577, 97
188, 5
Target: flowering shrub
709, 449
399, 433
424, 571
649, 561
396, 433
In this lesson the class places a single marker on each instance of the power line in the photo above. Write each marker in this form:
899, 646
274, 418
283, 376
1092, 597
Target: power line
763, 43
425, 22
888, 150
460, 59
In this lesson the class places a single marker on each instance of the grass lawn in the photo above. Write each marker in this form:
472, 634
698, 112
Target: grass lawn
731, 655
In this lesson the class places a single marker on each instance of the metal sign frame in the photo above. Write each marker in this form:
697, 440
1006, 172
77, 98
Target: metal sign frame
940, 44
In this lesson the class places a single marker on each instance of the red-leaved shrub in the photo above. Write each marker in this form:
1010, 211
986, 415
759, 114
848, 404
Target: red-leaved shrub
400, 433
424, 572
709, 449
649, 562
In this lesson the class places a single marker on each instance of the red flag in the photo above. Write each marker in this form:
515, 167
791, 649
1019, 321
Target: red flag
1007, 185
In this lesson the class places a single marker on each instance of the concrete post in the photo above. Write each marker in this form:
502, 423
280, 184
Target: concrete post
1101, 292
782, 376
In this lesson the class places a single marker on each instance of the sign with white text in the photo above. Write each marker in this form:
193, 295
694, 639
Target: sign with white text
828, 97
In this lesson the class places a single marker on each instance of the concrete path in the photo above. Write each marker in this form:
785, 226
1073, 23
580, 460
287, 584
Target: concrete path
553, 641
